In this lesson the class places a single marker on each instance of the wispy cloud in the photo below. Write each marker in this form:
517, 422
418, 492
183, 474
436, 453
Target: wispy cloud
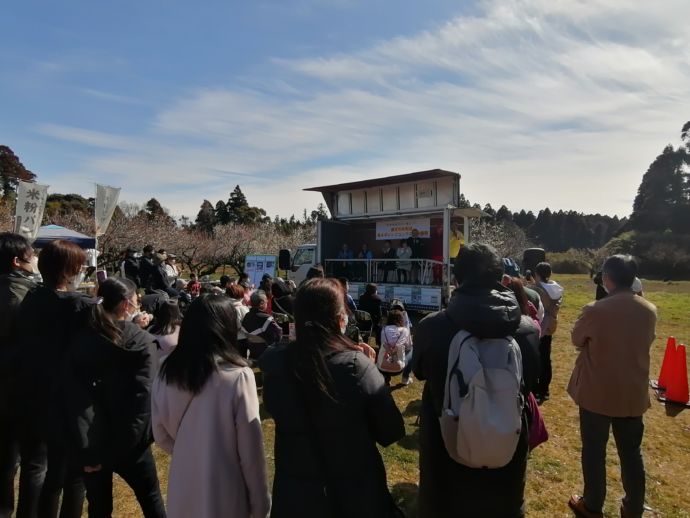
563, 103
108, 96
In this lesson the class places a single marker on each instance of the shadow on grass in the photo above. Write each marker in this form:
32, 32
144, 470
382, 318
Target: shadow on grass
410, 441
673, 409
413, 408
405, 497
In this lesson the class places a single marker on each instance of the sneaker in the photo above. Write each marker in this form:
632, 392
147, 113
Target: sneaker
407, 380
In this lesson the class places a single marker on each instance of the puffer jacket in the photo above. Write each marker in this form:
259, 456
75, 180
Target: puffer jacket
47, 321
13, 288
449, 489
108, 394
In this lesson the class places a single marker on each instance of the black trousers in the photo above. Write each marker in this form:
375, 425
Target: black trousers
62, 494
34, 464
139, 473
9, 459
627, 432
545, 359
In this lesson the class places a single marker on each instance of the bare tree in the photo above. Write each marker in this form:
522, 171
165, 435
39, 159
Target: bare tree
506, 237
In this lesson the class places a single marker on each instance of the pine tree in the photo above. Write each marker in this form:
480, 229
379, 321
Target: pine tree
206, 218
504, 214
221, 212
662, 193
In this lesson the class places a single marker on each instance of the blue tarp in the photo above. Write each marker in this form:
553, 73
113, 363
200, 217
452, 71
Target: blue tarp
49, 233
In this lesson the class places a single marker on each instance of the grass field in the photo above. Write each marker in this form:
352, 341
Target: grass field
554, 468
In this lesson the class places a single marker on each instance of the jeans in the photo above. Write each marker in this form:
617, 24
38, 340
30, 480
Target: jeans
545, 359
139, 472
627, 432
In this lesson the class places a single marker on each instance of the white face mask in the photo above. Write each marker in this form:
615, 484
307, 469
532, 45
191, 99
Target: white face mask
76, 281
34, 264
31, 266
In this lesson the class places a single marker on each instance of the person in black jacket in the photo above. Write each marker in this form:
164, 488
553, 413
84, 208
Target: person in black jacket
158, 279
17, 267
331, 408
146, 267
49, 315
130, 266
110, 368
370, 302
482, 306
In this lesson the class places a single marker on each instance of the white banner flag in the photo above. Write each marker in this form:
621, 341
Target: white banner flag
106, 201
402, 228
31, 201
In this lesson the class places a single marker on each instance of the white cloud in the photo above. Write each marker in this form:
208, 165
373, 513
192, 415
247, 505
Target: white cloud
559, 103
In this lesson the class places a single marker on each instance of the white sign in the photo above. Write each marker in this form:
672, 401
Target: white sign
106, 201
257, 265
31, 201
402, 228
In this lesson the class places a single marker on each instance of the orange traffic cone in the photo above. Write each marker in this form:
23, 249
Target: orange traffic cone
667, 365
677, 388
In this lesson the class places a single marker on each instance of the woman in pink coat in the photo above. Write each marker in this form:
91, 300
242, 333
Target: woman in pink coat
206, 414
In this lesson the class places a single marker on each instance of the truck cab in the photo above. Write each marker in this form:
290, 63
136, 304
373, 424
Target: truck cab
304, 258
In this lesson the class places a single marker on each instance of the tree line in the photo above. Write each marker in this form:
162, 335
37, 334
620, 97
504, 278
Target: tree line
657, 231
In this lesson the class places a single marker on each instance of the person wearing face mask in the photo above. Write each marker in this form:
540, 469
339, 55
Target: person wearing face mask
18, 263
331, 409
109, 369
49, 316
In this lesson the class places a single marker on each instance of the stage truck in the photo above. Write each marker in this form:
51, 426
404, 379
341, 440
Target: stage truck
371, 212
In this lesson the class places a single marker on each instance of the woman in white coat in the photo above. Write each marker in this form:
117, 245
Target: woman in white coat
404, 253
206, 414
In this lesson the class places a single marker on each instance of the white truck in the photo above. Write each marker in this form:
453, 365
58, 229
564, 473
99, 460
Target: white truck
371, 212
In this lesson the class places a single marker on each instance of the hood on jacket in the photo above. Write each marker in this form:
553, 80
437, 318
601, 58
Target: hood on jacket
554, 289
486, 312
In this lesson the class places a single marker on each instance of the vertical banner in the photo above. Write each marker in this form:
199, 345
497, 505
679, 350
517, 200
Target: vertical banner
31, 201
106, 201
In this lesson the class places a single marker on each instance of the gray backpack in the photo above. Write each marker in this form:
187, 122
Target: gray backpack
481, 418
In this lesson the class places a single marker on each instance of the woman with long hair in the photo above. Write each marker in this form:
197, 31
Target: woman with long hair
50, 483
166, 326
109, 371
331, 409
206, 415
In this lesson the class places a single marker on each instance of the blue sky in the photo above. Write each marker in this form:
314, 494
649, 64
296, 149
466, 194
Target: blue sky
535, 102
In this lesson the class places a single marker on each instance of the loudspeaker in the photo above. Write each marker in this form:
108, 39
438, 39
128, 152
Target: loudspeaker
284, 260
532, 257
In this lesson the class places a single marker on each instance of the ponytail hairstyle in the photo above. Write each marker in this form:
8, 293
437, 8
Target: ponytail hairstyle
111, 293
518, 288
318, 306
208, 335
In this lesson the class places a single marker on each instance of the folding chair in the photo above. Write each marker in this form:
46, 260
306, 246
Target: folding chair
364, 323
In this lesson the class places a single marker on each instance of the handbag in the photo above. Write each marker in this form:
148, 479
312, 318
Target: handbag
388, 360
537, 429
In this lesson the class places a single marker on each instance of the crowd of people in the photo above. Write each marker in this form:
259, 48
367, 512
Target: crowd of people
88, 385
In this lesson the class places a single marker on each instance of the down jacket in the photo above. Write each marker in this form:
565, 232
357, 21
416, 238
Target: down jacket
446, 488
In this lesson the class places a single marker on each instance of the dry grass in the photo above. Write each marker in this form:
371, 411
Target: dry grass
554, 468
